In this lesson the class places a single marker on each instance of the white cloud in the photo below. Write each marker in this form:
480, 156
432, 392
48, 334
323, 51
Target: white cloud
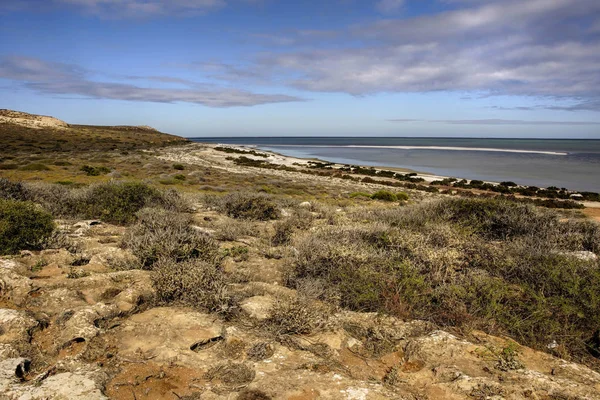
58, 78
122, 8
389, 6
533, 48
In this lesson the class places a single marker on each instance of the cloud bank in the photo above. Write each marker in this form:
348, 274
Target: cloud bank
65, 79
542, 48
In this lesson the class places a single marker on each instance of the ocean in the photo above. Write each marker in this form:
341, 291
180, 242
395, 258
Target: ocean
568, 163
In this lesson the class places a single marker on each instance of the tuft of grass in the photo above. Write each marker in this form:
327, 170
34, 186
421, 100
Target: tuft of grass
261, 351
238, 253
39, 265
23, 226
231, 374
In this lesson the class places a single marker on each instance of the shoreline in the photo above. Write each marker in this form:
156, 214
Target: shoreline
292, 161
445, 148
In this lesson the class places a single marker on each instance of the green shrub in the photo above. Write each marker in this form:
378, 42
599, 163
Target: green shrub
23, 226
179, 167
384, 195
160, 234
179, 177
95, 171
194, 283
402, 196
360, 194
119, 202
113, 202
238, 253
35, 167
250, 206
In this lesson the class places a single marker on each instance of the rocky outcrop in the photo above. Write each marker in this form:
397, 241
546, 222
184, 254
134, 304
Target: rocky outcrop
31, 120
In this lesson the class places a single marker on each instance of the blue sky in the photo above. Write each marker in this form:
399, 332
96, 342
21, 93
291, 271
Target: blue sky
490, 68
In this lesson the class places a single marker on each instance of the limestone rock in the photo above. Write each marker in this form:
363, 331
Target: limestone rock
15, 327
258, 307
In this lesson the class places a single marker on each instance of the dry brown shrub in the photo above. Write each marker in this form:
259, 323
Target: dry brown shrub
297, 317
195, 283
164, 234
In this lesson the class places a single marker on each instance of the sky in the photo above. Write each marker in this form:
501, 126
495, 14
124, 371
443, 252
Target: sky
442, 68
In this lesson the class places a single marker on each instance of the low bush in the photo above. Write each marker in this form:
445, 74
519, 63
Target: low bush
250, 206
178, 167
195, 283
119, 202
160, 234
401, 196
23, 226
232, 229
12, 190
283, 232
95, 171
384, 195
113, 202
297, 316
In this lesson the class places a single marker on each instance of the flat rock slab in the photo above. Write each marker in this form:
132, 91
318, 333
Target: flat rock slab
167, 334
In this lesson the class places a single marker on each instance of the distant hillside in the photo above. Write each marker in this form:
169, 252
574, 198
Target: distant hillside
24, 132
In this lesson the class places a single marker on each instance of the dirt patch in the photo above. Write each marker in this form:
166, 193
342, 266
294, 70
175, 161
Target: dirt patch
593, 213
148, 380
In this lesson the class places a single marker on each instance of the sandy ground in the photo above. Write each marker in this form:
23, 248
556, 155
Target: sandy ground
277, 158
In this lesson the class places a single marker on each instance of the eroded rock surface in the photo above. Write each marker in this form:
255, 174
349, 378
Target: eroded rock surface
101, 335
